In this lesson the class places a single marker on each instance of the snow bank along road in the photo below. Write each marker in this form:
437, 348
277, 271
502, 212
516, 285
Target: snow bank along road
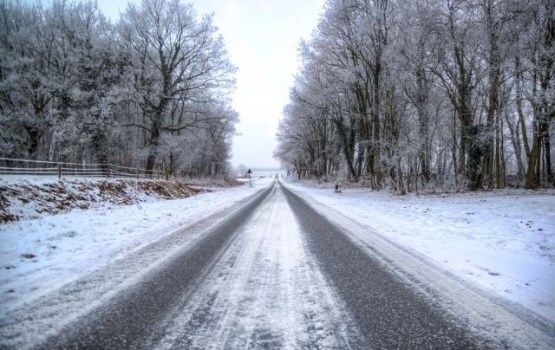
276, 273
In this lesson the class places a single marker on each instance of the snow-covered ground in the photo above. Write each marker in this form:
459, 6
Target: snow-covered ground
501, 241
42, 254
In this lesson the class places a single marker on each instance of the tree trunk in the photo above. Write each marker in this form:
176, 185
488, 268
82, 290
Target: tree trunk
499, 161
153, 147
493, 99
533, 172
377, 179
424, 152
547, 152
346, 147
514, 130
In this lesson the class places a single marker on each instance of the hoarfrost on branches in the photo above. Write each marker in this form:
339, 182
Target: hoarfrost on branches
75, 87
425, 94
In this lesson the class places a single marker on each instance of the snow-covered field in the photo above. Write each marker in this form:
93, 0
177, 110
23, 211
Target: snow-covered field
502, 241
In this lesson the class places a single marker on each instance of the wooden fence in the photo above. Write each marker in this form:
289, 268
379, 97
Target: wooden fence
9, 166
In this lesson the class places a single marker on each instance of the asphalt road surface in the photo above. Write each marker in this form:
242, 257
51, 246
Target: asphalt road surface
275, 274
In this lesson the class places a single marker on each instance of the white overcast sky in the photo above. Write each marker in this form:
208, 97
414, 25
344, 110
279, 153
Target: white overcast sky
262, 38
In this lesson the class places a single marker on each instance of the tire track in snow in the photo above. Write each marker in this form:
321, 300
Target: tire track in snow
124, 318
375, 277
266, 291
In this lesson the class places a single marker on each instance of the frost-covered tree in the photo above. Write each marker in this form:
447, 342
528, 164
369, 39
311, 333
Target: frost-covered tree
150, 91
59, 69
25, 86
427, 93
178, 63
535, 85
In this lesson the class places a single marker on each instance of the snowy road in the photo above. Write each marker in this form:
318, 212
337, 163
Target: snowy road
251, 283
273, 274
264, 292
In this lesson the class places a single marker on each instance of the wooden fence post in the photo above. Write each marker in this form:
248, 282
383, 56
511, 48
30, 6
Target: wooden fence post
59, 171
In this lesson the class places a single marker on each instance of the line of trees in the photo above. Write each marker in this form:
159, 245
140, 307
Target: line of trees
425, 93
149, 91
